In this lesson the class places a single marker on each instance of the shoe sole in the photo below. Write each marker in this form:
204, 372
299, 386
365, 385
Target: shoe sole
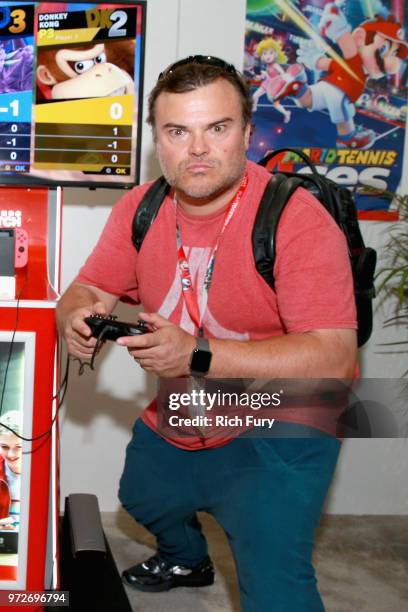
166, 586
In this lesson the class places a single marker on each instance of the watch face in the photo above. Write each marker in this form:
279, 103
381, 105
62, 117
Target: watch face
200, 361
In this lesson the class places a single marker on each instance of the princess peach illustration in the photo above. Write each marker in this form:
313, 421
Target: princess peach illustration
274, 77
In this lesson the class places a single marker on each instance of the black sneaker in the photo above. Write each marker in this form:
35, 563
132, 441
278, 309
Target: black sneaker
156, 574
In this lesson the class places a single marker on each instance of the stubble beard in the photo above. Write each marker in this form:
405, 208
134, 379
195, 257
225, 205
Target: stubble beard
203, 186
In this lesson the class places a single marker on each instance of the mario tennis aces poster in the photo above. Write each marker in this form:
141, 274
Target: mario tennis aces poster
331, 79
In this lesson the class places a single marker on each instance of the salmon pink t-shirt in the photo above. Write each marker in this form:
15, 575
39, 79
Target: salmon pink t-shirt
313, 281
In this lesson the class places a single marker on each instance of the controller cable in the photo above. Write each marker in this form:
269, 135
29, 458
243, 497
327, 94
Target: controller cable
84, 364
59, 395
61, 392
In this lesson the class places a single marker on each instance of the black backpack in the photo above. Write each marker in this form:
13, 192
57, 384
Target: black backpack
336, 199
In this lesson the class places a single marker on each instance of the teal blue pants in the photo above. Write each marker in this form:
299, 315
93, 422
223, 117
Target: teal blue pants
267, 494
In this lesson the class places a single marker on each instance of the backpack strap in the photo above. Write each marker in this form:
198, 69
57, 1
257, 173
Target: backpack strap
148, 209
276, 195
318, 185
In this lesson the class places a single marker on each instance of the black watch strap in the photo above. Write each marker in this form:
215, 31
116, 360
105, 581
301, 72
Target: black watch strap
203, 344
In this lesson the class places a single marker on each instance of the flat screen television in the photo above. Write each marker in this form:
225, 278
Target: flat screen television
71, 93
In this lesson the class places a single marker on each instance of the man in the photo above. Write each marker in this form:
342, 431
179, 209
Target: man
196, 278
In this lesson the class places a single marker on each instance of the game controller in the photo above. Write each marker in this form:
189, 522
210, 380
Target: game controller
109, 328
21, 248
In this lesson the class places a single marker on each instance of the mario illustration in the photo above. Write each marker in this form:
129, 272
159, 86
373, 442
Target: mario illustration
375, 49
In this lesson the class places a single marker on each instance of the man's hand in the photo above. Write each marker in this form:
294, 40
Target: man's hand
76, 332
165, 351
80, 301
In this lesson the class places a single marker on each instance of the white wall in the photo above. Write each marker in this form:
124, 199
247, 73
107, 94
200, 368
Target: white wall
101, 406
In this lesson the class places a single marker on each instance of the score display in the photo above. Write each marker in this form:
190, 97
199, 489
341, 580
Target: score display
71, 92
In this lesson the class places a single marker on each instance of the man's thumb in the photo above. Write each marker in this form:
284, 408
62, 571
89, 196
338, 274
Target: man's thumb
99, 308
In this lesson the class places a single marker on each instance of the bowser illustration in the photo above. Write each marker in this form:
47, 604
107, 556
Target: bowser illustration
88, 71
375, 49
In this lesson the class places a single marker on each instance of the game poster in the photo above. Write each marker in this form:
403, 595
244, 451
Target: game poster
331, 79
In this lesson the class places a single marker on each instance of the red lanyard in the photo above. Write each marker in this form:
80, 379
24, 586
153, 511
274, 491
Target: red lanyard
188, 292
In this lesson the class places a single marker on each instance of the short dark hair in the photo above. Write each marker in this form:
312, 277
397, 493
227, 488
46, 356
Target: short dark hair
195, 72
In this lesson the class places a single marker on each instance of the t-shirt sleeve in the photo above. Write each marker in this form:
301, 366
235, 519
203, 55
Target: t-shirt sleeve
314, 283
112, 264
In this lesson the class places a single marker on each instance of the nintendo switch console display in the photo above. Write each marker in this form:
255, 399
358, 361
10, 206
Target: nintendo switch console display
70, 92
13, 250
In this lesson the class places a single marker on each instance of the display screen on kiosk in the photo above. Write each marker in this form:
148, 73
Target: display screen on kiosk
17, 356
71, 92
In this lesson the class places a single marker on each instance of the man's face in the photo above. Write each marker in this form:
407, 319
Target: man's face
200, 139
10, 449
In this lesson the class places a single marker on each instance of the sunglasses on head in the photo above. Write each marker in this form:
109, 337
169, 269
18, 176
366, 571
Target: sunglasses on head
209, 60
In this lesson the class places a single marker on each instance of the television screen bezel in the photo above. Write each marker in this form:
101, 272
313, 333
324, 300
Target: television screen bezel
28, 180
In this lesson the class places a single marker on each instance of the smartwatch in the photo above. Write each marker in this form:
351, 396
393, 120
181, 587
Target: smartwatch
200, 358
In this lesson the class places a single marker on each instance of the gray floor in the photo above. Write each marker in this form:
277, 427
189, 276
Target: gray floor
361, 563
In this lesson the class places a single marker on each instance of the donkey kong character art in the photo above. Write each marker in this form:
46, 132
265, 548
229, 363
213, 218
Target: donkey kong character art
86, 71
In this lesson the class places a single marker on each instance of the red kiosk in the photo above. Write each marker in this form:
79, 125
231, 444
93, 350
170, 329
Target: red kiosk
70, 114
28, 360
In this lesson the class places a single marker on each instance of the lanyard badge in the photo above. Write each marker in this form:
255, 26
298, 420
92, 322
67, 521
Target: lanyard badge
188, 292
